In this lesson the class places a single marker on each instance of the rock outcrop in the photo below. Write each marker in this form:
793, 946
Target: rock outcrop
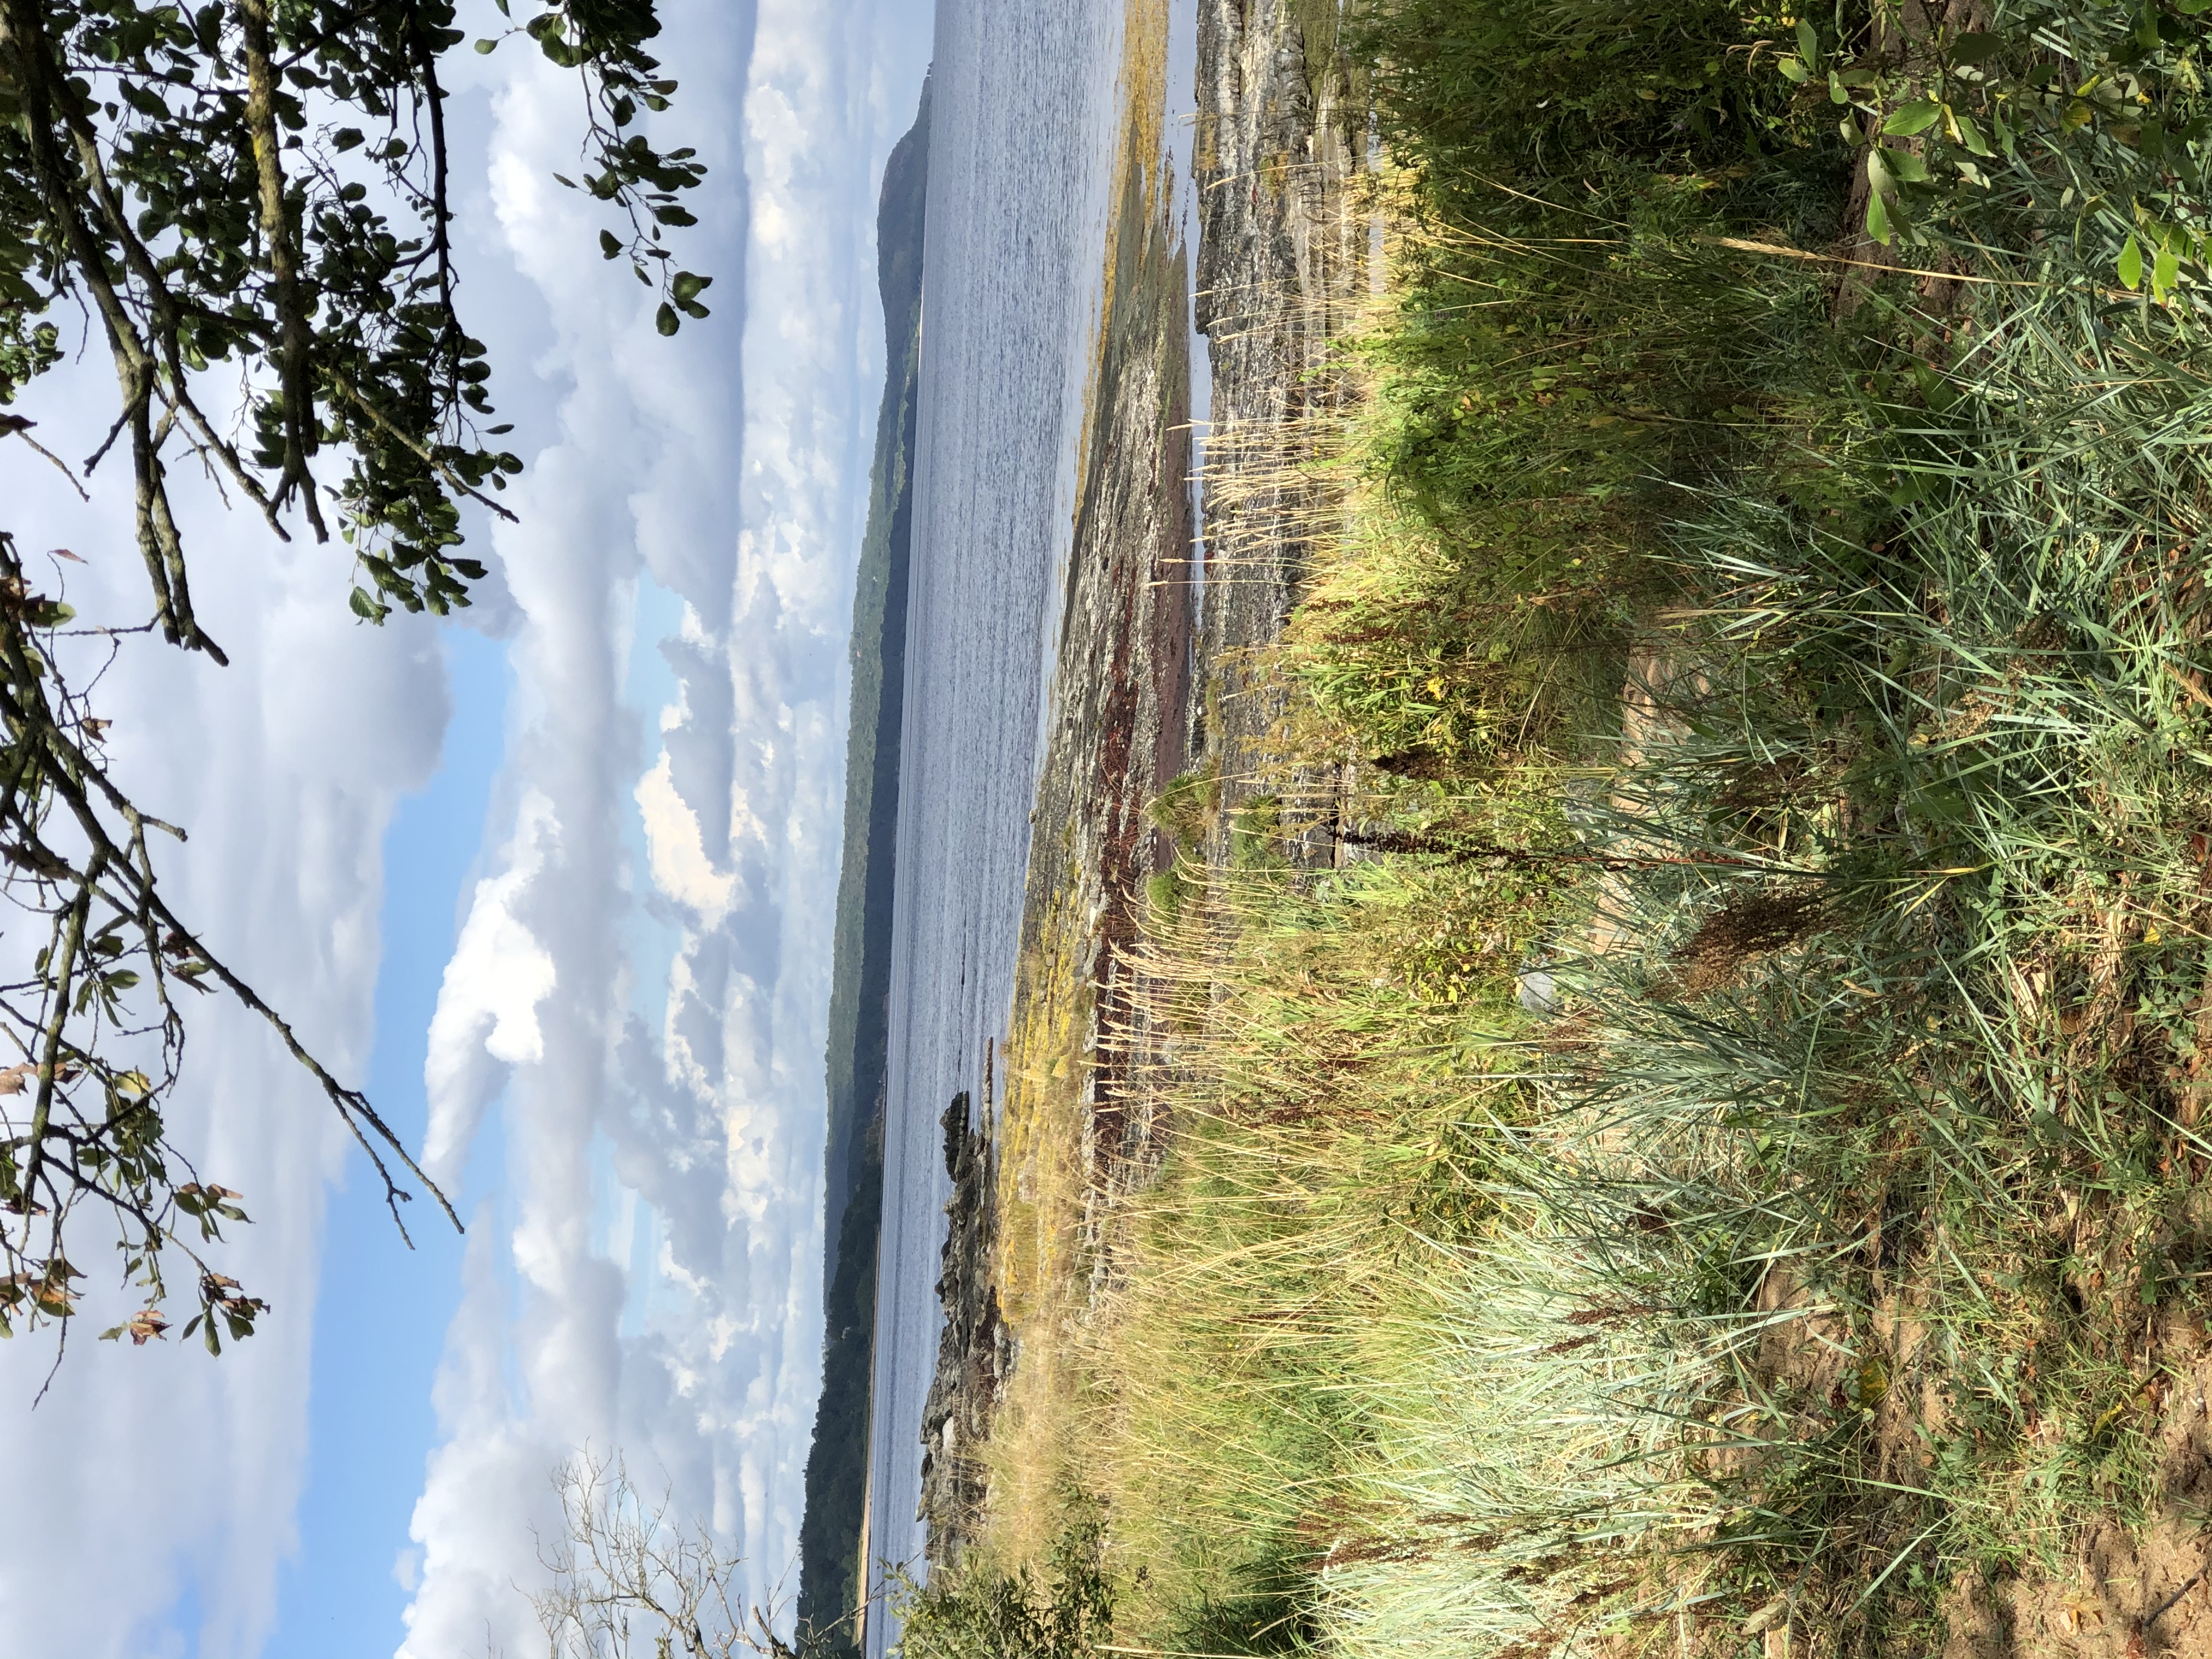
974, 1352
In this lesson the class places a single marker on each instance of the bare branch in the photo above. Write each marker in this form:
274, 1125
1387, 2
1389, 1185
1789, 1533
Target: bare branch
628, 1579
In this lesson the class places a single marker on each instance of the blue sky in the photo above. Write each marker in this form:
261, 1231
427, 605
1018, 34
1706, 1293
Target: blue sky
382, 1310
557, 882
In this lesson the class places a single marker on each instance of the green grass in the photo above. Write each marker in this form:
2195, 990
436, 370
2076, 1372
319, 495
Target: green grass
1837, 1243
1225, 1414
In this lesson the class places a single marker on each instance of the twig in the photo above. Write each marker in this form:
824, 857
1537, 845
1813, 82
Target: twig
1741, 245
2166, 1606
18, 427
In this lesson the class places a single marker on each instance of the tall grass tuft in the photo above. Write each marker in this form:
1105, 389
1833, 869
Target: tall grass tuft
1718, 1160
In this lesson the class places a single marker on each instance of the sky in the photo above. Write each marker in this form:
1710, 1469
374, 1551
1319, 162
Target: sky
557, 881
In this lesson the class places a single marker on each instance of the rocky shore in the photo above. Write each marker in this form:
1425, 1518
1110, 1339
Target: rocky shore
974, 1352
1154, 677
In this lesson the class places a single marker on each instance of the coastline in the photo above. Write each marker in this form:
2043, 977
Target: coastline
1149, 688
835, 1530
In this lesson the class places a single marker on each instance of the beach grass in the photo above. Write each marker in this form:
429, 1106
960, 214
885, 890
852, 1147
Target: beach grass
1714, 1162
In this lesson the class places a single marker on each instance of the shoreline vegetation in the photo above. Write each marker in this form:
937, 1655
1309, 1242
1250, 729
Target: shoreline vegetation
1652, 1098
833, 1535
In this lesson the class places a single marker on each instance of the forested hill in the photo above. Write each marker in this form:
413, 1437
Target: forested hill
837, 1466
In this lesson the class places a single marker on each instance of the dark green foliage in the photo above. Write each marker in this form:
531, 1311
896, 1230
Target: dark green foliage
1186, 808
1571, 344
1263, 1611
1979, 135
860, 975
1500, 92
199, 180
1164, 893
830, 1568
996, 1615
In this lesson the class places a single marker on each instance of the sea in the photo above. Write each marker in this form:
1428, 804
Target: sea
1023, 123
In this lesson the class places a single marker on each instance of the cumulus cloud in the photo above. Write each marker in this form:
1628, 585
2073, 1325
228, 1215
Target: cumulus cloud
730, 469
487, 1014
676, 850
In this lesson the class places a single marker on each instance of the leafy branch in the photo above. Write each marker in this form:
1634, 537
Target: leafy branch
265, 188
254, 196
2025, 124
627, 171
94, 1028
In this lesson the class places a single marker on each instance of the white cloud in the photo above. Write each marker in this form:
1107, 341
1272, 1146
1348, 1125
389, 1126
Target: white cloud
737, 483
681, 868
285, 766
487, 1014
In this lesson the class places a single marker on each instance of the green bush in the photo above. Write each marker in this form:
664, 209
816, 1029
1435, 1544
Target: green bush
982, 1613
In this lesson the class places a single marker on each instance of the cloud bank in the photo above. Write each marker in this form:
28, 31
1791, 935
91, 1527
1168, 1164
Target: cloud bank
155, 1473
639, 986
649, 1281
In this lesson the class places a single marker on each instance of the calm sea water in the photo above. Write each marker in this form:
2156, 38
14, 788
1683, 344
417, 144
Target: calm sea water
1021, 152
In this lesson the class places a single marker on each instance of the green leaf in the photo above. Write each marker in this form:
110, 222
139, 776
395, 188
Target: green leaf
689, 285
1835, 93
1792, 70
2164, 271
2131, 263
1878, 220
1808, 44
487, 45
1979, 48
1970, 136
609, 247
1909, 118
1905, 167
665, 319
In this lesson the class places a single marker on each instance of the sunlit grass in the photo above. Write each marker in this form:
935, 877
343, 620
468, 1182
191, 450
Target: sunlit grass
1717, 1156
